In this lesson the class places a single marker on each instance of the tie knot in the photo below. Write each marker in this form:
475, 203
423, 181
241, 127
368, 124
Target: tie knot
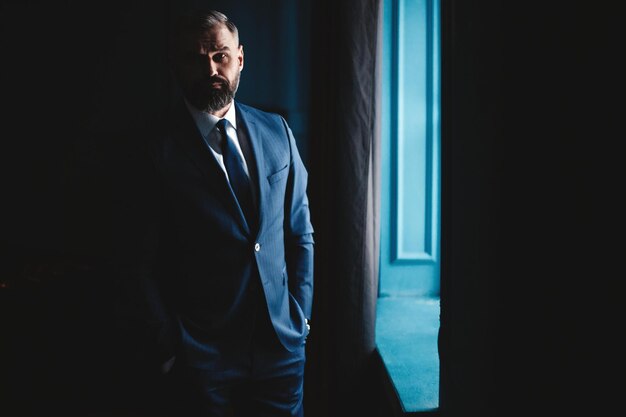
221, 125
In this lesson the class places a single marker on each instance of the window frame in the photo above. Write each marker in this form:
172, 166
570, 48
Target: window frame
406, 270
408, 308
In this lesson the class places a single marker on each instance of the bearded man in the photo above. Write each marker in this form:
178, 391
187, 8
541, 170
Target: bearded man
221, 287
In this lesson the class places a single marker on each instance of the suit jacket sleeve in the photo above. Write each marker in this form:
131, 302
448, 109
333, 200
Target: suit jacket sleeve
298, 231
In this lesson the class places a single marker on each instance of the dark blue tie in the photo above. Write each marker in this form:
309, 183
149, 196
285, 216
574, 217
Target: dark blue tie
239, 181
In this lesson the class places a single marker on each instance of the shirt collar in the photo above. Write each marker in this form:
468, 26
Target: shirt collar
206, 122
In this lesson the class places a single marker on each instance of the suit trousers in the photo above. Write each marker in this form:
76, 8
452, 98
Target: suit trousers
259, 379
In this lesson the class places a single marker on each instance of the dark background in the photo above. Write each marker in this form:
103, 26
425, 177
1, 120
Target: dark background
532, 125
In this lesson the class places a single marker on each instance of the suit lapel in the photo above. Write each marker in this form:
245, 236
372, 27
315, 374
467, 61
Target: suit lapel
197, 150
185, 129
256, 145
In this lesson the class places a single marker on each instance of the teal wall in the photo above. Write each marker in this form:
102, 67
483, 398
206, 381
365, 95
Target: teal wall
410, 149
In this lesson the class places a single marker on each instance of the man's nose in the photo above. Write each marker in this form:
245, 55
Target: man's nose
211, 66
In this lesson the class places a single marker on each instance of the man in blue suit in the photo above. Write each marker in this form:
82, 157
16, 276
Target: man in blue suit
224, 294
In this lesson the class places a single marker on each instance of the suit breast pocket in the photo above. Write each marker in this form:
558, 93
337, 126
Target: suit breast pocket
278, 175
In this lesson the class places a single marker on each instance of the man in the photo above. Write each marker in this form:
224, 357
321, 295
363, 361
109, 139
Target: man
222, 291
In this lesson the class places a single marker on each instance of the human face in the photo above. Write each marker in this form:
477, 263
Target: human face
208, 67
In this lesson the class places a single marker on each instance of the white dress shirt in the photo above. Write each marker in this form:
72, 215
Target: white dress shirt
206, 122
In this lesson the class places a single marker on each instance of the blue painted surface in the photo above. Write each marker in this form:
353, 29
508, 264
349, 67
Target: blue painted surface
406, 338
410, 149
413, 241
407, 323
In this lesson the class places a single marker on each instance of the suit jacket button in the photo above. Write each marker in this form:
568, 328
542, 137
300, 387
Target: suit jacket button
257, 247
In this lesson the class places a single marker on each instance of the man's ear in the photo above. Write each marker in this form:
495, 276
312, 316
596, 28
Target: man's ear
240, 57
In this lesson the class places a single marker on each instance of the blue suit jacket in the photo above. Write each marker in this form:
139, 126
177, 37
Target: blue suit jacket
197, 288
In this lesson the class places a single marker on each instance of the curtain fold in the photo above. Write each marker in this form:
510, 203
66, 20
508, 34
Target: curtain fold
345, 194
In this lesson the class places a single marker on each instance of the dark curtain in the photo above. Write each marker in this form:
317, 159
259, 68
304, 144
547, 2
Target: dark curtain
344, 189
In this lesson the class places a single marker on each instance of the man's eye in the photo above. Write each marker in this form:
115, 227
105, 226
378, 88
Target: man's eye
219, 57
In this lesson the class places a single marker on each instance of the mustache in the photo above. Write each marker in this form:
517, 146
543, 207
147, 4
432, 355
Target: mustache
218, 79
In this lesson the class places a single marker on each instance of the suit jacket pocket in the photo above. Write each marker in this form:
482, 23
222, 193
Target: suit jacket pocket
279, 175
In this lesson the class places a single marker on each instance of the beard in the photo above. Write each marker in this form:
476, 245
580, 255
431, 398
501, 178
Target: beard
209, 97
